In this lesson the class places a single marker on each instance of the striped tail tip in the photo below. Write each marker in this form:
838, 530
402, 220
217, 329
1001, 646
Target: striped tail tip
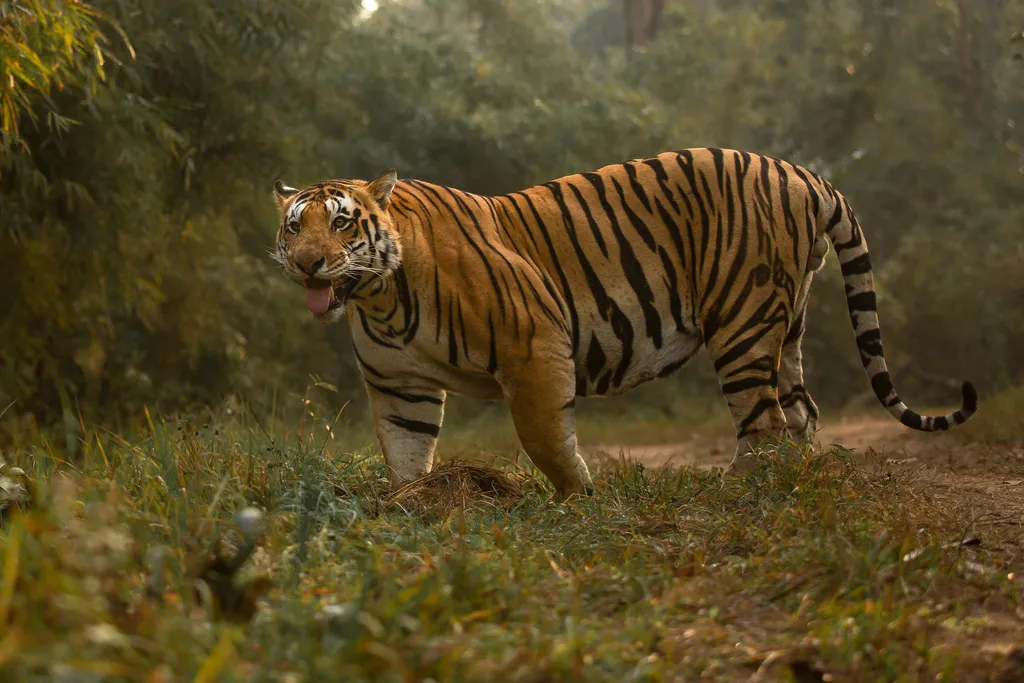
940, 423
970, 403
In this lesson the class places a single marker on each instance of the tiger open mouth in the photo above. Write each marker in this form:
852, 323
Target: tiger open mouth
325, 295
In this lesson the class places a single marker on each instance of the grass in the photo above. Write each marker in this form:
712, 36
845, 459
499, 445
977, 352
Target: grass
1001, 421
821, 570
643, 416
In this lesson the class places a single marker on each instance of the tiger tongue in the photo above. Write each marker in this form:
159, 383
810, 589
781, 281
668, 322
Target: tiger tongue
318, 299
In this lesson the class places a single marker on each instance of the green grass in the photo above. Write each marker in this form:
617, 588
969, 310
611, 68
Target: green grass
664, 575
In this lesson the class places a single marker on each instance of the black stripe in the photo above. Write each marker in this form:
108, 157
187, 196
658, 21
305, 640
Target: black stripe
772, 311
404, 396
764, 364
730, 210
512, 305
671, 282
870, 345
687, 170
863, 302
785, 200
523, 223
437, 304
833, 221
711, 207
858, 265
548, 313
912, 420
415, 426
741, 163
768, 201
634, 218
856, 238
638, 187
366, 366
881, 384
756, 412
501, 227
719, 159
453, 346
662, 176
594, 229
462, 329
595, 358
672, 224
740, 349
414, 319
368, 331
797, 329
744, 384
492, 352
674, 365
809, 188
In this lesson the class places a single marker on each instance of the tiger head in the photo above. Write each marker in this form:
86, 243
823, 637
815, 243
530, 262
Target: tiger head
335, 238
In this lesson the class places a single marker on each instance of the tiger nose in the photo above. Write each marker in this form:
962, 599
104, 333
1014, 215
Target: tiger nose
309, 261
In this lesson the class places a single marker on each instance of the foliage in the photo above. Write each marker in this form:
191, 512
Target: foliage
45, 46
135, 222
663, 575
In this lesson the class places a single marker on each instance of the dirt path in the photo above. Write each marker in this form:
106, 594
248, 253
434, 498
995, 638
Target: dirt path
987, 477
713, 450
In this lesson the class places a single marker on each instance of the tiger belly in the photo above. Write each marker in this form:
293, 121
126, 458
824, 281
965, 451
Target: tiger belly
606, 365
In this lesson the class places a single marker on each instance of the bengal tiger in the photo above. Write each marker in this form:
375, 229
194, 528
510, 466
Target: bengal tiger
586, 285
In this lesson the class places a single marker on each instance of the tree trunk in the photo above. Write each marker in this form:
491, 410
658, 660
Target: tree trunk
642, 18
966, 61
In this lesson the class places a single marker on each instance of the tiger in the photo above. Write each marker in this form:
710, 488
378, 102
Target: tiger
587, 285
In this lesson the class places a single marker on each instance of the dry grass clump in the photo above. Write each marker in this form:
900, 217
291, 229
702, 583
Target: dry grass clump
457, 485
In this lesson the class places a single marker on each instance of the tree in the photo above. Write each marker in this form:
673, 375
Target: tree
642, 18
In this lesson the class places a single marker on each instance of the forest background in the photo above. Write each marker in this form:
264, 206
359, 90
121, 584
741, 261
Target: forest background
141, 139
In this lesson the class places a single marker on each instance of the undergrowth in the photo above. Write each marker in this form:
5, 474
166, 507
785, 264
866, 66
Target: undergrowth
809, 570
1000, 421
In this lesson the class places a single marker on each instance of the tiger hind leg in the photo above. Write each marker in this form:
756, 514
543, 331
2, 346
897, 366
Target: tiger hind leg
800, 410
748, 371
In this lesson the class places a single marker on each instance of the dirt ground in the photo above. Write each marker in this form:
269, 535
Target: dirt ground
882, 434
987, 476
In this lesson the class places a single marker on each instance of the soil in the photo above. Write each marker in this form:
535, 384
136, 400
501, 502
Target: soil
988, 476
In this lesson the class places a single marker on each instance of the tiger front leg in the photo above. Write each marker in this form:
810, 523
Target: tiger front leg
408, 422
541, 398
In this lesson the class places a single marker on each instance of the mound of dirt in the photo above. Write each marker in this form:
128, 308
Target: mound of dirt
454, 485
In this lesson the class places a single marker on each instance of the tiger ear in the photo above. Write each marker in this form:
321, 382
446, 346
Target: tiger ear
380, 189
282, 193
